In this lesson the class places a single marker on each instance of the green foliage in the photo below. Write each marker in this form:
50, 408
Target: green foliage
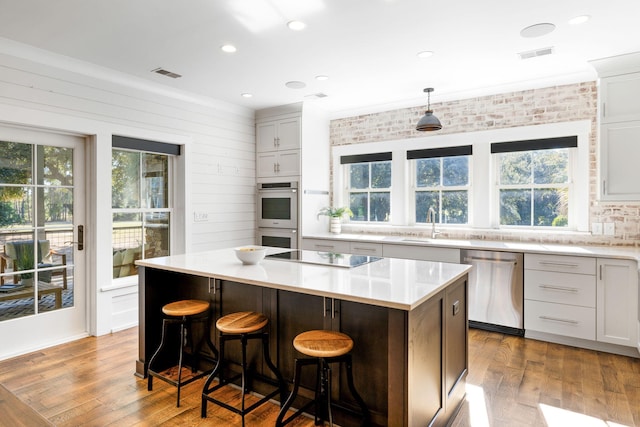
335, 212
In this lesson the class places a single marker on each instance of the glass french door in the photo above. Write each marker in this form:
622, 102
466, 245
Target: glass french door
42, 292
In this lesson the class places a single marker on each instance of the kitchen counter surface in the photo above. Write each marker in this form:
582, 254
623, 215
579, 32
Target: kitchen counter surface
388, 282
543, 248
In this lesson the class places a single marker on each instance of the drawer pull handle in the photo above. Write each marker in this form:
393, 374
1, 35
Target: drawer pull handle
558, 288
559, 264
325, 246
557, 319
364, 249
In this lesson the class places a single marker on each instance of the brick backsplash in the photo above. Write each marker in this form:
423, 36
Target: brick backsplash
525, 108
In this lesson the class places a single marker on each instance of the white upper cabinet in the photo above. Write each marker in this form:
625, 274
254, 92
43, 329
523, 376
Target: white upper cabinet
276, 135
619, 98
619, 154
619, 112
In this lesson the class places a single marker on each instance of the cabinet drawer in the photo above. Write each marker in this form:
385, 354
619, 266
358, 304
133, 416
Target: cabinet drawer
560, 263
364, 248
563, 288
423, 253
560, 319
336, 246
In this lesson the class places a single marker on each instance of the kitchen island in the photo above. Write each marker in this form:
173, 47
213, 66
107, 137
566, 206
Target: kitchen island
408, 320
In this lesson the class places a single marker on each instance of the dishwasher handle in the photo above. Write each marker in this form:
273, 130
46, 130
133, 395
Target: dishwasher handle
492, 260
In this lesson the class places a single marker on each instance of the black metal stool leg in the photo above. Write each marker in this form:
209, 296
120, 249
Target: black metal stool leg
150, 377
281, 421
272, 366
182, 334
217, 370
365, 411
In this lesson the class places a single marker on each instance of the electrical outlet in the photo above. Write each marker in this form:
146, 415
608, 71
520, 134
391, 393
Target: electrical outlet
200, 216
596, 228
609, 229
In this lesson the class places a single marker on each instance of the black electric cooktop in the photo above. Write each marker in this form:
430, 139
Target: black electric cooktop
324, 258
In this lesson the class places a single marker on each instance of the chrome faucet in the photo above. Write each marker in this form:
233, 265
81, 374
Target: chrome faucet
431, 217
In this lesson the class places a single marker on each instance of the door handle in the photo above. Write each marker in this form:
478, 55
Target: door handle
80, 241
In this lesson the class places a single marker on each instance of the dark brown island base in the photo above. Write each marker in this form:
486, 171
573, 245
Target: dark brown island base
407, 318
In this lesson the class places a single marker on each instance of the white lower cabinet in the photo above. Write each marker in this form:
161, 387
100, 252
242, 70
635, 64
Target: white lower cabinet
560, 319
560, 295
617, 309
423, 253
335, 246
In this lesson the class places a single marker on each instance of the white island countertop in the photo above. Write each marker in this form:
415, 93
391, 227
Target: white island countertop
386, 282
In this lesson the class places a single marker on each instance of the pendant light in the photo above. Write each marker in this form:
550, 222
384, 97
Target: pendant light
428, 122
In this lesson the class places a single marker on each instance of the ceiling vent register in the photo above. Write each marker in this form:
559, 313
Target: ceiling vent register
535, 53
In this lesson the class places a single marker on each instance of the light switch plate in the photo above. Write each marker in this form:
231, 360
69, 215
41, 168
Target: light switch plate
596, 228
200, 216
609, 229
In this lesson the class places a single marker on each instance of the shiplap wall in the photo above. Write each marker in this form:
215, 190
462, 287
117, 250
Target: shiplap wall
41, 90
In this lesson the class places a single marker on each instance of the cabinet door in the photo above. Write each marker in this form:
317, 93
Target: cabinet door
617, 301
619, 154
619, 96
456, 331
288, 137
266, 164
266, 137
288, 163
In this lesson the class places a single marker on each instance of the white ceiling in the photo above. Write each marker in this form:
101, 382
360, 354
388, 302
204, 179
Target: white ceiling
367, 47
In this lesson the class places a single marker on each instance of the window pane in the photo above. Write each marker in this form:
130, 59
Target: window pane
551, 166
428, 172
15, 206
455, 171
424, 201
57, 165
454, 207
359, 176
359, 207
550, 207
515, 207
155, 176
127, 243
58, 205
156, 235
380, 206
125, 179
515, 168
381, 175
16, 163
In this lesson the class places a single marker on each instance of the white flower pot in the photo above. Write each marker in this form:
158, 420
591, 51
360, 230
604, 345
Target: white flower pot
335, 225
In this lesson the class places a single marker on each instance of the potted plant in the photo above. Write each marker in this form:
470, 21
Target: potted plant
25, 261
335, 215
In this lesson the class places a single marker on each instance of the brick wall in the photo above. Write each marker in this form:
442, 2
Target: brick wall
530, 107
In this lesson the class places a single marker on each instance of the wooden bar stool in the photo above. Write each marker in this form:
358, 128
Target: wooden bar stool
242, 326
184, 313
324, 348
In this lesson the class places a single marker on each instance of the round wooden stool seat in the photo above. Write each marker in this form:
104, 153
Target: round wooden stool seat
242, 322
323, 343
187, 307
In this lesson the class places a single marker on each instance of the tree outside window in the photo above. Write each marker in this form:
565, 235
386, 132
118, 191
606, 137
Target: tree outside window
370, 191
534, 188
442, 183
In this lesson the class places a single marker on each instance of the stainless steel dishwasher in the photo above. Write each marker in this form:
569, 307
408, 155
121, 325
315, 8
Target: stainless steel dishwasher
496, 290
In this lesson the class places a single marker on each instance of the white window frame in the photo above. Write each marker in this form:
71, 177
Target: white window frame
571, 217
482, 192
369, 191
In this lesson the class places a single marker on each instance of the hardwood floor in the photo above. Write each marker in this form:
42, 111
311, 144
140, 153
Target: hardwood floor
512, 382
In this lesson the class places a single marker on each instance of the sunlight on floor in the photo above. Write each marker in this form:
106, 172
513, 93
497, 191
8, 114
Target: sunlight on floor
557, 417
554, 417
477, 406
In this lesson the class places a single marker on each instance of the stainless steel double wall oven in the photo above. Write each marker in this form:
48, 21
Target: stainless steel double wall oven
278, 214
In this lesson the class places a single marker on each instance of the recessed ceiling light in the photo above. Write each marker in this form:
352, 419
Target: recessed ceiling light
295, 85
246, 95
537, 30
424, 54
322, 77
579, 20
228, 48
296, 25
